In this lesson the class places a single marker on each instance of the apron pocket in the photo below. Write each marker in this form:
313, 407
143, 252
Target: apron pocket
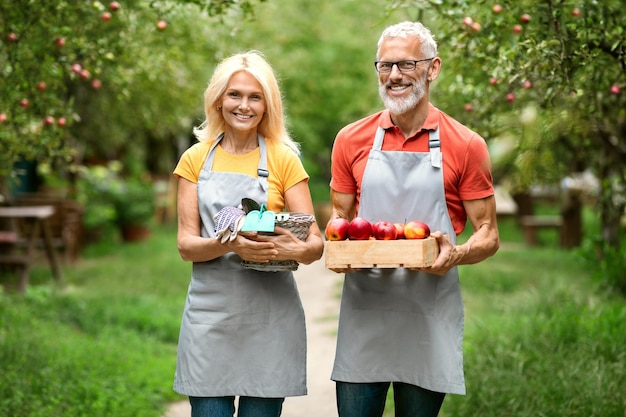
397, 290
228, 298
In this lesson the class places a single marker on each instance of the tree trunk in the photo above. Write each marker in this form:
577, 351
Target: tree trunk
571, 211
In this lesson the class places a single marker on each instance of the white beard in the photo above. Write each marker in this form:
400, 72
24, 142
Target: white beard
403, 105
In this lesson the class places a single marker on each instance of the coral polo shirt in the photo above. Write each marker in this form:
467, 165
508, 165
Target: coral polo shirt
466, 164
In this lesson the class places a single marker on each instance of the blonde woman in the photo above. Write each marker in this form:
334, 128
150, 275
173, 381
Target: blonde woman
243, 331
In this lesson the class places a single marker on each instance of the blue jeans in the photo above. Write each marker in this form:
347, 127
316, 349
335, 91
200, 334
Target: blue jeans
368, 400
225, 407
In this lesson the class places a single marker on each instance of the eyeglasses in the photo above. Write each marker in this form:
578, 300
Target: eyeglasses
407, 65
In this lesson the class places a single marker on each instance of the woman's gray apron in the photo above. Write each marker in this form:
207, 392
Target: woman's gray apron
397, 324
243, 331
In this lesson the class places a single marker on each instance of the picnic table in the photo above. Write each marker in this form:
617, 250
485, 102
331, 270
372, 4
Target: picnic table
16, 249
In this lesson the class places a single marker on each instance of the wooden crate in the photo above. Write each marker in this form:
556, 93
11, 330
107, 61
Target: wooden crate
408, 253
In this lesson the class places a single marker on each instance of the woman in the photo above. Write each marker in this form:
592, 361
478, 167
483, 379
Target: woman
243, 330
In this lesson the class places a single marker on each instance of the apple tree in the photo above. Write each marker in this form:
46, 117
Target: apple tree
102, 80
543, 82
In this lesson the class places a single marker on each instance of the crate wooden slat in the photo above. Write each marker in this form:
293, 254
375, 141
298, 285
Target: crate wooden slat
407, 253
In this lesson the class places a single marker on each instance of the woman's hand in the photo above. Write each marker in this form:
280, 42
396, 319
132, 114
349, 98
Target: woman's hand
286, 244
250, 248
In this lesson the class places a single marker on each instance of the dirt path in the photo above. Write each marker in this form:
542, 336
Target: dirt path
319, 289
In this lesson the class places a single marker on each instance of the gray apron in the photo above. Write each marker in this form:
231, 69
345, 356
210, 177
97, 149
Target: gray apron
396, 324
243, 331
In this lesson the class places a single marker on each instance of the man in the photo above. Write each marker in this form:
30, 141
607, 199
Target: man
408, 162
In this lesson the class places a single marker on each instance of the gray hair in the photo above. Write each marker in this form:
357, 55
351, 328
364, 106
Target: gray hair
411, 29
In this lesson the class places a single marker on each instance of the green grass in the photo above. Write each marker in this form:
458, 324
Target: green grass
102, 345
541, 339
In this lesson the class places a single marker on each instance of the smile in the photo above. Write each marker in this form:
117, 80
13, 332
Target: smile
398, 87
242, 116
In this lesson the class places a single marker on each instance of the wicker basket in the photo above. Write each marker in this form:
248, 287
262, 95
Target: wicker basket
296, 223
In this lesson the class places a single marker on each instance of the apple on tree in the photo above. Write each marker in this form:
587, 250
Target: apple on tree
337, 229
384, 230
359, 229
416, 230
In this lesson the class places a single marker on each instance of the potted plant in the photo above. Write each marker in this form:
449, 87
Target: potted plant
93, 193
112, 201
135, 205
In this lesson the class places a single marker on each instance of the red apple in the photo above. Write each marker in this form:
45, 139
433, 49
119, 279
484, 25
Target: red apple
575, 12
84, 74
41, 86
12, 37
493, 81
497, 8
469, 107
615, 89
476, 27
77, 68
24, 102
384, 230
527, 84
61, 121
161, 24
60, 42
3, 117
96, 83
510, 97
106, 16
399, 230
416, 230
517, 29
467, 21
48, 121
359, 229
525, 18
114, 6
337, 229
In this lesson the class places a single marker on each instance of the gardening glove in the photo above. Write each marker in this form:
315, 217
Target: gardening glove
228, 222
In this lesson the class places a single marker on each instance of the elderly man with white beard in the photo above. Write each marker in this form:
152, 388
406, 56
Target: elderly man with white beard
410, 161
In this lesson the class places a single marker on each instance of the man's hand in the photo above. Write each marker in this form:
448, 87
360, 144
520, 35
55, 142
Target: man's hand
448, 257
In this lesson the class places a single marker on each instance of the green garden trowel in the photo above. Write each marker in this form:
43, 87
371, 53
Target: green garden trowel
261, 220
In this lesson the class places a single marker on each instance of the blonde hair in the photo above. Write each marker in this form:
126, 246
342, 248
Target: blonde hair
272, 126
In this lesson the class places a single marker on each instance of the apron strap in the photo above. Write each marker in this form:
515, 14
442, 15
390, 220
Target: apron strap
262, 171
378, 139
434, 144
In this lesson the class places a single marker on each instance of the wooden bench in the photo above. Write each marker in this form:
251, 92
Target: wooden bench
532, 223
20, 250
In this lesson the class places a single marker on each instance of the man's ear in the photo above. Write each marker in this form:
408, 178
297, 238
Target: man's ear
434, 69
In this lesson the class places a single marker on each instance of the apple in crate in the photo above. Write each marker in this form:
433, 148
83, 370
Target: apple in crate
337, 229
359, 229
416, 230
399, 230
384, 230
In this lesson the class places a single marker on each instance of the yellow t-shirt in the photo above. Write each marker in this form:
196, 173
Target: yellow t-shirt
284, 166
